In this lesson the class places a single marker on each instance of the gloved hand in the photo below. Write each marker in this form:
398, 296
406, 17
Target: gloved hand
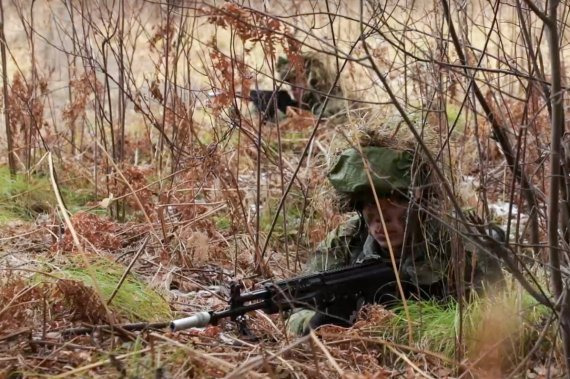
302, 321
299, 323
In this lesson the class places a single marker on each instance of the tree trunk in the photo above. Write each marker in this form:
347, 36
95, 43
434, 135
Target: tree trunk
11, 158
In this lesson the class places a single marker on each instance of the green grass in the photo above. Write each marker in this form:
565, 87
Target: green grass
165, 358
507, 316
454, 116
23, 198
135, 300
293, 209
77, 198
434, 325
223, 222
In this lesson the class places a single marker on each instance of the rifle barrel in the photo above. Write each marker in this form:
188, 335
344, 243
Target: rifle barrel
199, 320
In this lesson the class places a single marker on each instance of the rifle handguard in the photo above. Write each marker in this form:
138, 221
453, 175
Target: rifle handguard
199, 320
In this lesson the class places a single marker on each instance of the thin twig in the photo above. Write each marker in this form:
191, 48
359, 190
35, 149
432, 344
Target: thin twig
128, 269
61, 205
330, 358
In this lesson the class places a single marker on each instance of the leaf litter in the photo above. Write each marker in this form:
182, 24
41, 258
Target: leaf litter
47, 286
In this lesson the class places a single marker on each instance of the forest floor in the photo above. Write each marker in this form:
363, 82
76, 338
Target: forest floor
153, 229
169, 261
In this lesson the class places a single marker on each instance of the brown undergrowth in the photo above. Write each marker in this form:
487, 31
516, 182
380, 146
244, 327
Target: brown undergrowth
172, 182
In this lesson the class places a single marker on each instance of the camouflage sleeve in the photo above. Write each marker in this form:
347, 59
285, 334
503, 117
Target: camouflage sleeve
433, 261
335, 251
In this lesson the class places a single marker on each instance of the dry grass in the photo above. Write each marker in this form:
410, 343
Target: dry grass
187, 198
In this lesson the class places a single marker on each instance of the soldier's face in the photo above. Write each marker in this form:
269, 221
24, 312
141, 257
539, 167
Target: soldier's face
394, 212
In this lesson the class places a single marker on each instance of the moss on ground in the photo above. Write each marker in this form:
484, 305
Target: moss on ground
223, 223
294, 210
135, 300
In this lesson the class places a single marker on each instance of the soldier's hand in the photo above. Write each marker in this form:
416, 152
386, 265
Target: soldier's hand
299, 322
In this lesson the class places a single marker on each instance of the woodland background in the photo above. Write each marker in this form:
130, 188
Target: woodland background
137, 180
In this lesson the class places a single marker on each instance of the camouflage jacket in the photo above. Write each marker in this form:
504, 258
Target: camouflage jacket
423, 263
426, 264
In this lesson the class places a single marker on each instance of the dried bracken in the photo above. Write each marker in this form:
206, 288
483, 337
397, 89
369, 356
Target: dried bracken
96, 233
76, 296
18, 298
175, 186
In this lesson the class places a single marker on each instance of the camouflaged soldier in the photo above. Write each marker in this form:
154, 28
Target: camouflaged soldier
311, 81
421, 246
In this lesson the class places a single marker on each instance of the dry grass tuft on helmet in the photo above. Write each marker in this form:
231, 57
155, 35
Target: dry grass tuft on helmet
386, 128
381, 128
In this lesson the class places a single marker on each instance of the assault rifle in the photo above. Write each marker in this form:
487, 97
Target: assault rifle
336, 295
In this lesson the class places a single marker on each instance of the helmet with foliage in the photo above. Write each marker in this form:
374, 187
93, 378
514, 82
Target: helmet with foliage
383, 155
356, 171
